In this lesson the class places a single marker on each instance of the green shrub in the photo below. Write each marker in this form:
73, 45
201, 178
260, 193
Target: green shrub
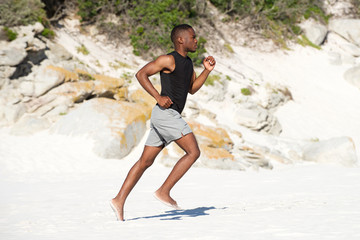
212, 79
21, 12
48, 33
304, 41
228, 48
11, 35
88, 9
245, 91
147, 23
82, 49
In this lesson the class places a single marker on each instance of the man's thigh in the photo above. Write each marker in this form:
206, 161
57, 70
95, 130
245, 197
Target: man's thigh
188, 143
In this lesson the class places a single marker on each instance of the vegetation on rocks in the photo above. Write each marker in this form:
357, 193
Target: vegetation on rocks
276, 19
21, 12
11, 35
146, 23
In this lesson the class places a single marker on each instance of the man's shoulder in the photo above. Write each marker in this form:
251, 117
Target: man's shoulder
166, 61
167, 57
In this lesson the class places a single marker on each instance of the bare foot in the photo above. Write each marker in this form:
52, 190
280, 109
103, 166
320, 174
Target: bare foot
118, 209
166, 199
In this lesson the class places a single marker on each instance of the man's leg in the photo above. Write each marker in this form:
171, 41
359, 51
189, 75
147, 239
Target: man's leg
146, 160
189, 144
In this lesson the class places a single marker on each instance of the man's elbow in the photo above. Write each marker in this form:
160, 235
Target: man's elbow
192, 92
137, 75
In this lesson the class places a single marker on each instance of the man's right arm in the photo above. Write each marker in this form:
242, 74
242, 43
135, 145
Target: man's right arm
165, 62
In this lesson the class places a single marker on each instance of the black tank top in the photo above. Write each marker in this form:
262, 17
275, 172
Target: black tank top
177, 83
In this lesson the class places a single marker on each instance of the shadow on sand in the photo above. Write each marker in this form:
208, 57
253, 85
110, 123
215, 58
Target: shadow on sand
179, 214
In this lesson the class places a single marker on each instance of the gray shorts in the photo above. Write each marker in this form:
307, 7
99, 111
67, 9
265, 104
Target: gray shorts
166, 125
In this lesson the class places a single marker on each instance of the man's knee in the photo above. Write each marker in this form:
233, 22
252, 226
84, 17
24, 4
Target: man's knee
195, 154
146, 163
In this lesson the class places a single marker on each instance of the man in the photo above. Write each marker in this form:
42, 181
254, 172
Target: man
177, 80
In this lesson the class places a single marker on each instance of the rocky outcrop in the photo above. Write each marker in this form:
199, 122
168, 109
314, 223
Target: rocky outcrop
44, 87
339, 150
347, 28
115, 127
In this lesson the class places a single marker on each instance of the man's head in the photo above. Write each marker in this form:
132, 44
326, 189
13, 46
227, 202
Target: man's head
184, 35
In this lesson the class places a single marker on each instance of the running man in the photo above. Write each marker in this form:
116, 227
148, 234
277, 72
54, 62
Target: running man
178, 78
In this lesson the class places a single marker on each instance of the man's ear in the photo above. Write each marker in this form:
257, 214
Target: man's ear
180, 40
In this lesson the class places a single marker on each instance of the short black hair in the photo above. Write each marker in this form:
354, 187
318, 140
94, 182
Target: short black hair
177, 30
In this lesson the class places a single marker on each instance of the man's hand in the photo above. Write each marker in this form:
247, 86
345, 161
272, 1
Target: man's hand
209, 63
164, 101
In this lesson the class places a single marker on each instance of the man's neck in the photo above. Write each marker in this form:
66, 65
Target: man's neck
181, 51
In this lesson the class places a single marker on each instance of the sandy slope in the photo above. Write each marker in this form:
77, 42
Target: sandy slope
53, 187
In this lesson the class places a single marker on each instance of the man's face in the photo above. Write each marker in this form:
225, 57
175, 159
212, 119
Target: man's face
190, 42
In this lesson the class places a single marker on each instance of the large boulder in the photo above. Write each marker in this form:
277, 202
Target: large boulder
315, 32
142, 97
215, 146
13, 112
47, 78
57, 53
353, 76
257, 118
106, 86
347, 28
116, 127
339, 150
12, 56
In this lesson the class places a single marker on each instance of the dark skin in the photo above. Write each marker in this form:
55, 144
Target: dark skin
184, 43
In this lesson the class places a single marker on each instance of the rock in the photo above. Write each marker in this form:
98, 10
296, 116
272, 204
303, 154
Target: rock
57, 52
3, 82
314, 31
257, 118
106, 86
141, 96
36, 45
69, 76
215, 146
6, 71
76, 91
26, 88
54, 110
122, 94
336, 150
335, 58
47, 78
352, 76
347, 28
29, 125
253, 118
12, 112
212, 136
38, 28
11, 56
116, 127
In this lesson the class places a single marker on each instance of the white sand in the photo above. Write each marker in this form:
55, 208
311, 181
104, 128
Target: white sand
54, 187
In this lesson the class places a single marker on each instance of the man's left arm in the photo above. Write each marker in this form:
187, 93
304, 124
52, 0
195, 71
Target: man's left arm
197, 82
